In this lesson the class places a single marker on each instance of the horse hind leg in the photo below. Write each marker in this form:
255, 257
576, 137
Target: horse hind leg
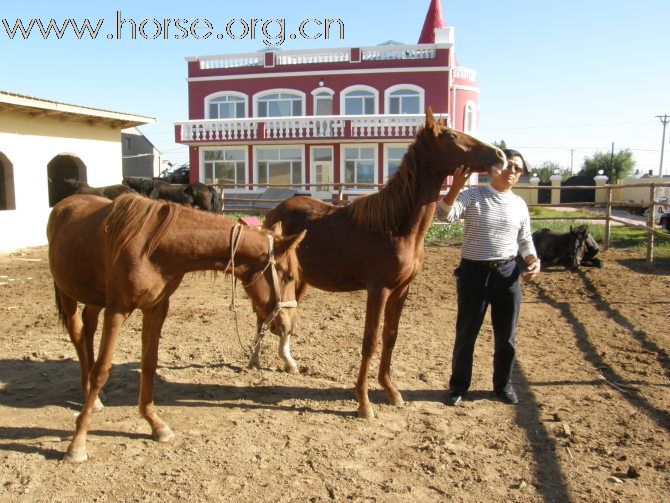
90, 316
392, 314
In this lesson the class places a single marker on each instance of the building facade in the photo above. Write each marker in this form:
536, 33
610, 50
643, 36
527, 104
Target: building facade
41, 143
140, 157
321, 119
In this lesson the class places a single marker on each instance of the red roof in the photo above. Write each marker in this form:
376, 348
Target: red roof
433, 20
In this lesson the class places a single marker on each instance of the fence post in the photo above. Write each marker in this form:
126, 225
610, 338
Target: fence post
534, 184
608, 214
555, 189
650, 224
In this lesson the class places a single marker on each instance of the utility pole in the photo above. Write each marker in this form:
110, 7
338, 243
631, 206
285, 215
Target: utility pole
612, 164
572, 157
664, 120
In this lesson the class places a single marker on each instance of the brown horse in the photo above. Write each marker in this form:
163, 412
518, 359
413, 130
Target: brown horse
132, 253
376, 243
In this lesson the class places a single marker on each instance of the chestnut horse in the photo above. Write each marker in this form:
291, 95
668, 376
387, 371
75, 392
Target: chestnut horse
376, 242
132, 253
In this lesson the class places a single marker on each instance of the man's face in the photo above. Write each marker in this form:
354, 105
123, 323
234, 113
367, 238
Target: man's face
510, 175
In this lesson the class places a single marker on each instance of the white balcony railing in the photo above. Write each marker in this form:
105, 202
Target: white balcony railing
302, 128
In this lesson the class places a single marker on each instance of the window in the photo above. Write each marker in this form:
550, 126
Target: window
225, 166
394, 155
323, 103
279, 165
404, 101
359, 100
469, 118
227, 106
359, 165
280, 104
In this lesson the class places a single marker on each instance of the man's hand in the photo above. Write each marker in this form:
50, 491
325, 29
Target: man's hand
533, 265
459, 177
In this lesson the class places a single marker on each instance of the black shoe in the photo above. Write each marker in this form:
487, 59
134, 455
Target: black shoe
507, 396
454, 398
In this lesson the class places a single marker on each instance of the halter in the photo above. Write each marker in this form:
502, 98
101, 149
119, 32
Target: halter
236, 236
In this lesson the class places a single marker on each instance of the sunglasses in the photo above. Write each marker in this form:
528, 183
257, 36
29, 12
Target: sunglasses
514, 167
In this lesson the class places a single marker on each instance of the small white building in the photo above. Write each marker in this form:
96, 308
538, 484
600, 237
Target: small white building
42, 142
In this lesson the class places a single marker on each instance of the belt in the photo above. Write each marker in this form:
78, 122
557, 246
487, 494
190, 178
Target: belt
491, 264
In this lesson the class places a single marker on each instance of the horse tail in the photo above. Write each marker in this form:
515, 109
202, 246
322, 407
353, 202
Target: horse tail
59, 306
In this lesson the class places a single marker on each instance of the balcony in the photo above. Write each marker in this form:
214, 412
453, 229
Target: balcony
296, 129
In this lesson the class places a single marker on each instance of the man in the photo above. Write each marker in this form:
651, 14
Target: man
497, 228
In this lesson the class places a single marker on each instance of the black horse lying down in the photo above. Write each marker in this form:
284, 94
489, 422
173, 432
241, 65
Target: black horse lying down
197, 195
564, 248
589, 258
110, 191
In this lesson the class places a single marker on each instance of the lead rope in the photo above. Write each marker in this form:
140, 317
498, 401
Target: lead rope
235, 238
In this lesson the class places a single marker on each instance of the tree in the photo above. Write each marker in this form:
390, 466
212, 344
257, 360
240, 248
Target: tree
545, 170
614, 167
500, 144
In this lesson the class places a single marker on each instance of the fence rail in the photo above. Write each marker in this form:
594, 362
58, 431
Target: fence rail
607, 202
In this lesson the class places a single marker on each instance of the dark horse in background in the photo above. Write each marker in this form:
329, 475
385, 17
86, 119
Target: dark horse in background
376, 242
569, 249
72, 186
196, 195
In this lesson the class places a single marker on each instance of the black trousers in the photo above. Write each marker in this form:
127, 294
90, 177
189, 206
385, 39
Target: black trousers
479, 286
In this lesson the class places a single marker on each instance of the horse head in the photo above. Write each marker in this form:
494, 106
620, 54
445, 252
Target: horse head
449, 148
578, 245
272, 285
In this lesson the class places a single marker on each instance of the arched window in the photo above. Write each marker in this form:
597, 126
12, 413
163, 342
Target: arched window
59, 168
280, 103
470, 117
226, 106
323, 101
7, 201
359, 100
404, 99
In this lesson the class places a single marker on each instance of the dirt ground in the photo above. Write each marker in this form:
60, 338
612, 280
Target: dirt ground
592, 375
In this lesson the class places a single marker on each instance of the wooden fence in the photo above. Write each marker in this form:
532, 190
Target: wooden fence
602, 201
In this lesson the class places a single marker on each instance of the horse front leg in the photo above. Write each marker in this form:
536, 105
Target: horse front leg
284, 351
152, 324
113, 319
373, 313
255, 359
392, 314
90, 316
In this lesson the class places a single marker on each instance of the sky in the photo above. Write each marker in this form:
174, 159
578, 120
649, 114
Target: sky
559, 80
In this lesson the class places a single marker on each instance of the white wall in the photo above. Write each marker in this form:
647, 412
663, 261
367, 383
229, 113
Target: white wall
29, 143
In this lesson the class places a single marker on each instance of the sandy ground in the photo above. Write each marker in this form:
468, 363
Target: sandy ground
593, 376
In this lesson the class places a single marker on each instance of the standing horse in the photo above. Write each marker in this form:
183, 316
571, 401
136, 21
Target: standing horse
564, 248
132, 254
108, 191
196, 195
376, 243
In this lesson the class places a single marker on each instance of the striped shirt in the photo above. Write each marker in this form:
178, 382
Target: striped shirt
497, 224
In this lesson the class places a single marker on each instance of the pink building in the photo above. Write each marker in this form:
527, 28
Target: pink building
321, 116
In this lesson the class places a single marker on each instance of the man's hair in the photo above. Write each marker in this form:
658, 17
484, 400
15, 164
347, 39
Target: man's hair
510, 152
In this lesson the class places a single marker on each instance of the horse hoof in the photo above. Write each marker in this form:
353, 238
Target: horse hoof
76, 455
98, 406
163, 435
291, 369
254, 365
366, 412
396, 400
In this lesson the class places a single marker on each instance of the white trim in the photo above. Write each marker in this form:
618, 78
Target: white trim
471, 107
294, 146
375, 169
359, 87
219, 94
317, 92
201, 154
327, 90
423, 69
468, 88
386, 156
278, 90
398, 87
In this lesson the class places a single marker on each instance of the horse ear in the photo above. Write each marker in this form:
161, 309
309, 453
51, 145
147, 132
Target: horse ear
288, 243
277, 229
430, 118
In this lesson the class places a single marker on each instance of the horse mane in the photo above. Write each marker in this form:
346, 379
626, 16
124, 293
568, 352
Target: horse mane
130, 214
383, 211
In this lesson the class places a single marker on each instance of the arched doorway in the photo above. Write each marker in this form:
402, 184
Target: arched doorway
59, 168
7, 197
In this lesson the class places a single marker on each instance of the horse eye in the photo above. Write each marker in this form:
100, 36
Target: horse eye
451, 136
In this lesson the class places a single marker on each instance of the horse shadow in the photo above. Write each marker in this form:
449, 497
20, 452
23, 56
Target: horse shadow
661, 267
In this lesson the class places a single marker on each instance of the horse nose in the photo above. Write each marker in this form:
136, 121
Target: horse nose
284, 322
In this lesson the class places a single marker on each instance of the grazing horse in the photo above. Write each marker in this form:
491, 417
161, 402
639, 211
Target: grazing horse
132, 253
196, 195
376, 243
109, 191
564, 248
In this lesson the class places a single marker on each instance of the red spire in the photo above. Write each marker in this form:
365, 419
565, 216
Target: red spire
433, 20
